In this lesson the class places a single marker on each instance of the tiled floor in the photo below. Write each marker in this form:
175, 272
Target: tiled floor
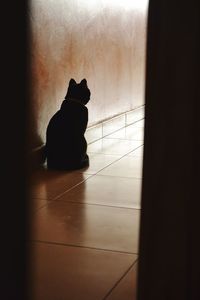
85, 224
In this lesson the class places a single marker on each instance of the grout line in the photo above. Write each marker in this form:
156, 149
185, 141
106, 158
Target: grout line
125, 119
71, 188
92, 175
66, 191
104, 136
116, 154
56, 197
87, 204
120, 176
74, 186
79, 246
123, 155
124, 139
35, 210
97, 204
138, 178
140, 107
89, 176
118, 281
109, 164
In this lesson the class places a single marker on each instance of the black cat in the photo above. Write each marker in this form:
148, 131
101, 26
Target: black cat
66, 147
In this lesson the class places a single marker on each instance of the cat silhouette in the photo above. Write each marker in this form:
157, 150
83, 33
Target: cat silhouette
66, 146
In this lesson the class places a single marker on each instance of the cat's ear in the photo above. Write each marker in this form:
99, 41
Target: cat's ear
83, 82
72, 82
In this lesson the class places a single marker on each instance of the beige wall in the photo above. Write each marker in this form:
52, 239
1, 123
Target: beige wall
94, 39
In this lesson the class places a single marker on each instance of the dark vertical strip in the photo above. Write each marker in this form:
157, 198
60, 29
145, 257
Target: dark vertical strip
14, 28
169, 261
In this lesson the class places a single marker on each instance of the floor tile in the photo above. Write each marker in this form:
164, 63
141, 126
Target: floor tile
128, 133
126, 289
98, 161
128, 166
35, 204
134, 115
93, 226
47, 184
94, 133
113, 146
140, 123
60, 273
107, 190
113, 124
138, 152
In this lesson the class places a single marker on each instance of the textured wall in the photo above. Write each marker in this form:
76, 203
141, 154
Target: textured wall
100, 40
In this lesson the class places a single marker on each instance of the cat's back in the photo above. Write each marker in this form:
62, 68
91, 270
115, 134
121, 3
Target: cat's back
73, 114
69, 120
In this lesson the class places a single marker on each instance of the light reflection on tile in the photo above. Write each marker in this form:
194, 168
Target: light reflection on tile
113, 146
113, 124
128, 166
126, 289
97, 207
98, 161
93, 133
140, 123
138, 152
94, 226
48, 184
107, 190
134, 115
61, 272
35, 204
130, 133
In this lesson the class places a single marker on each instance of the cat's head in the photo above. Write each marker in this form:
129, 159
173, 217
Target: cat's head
78, 91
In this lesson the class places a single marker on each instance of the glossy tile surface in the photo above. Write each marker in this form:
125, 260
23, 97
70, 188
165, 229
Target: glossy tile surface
126, 288
84, 221
98, 161
107, 190
113, 146
60, 272
134, 115
128, 166
47, 184
95, 226
94, 133
128, 133
113, 124
138, 152
140, 123
36, 204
